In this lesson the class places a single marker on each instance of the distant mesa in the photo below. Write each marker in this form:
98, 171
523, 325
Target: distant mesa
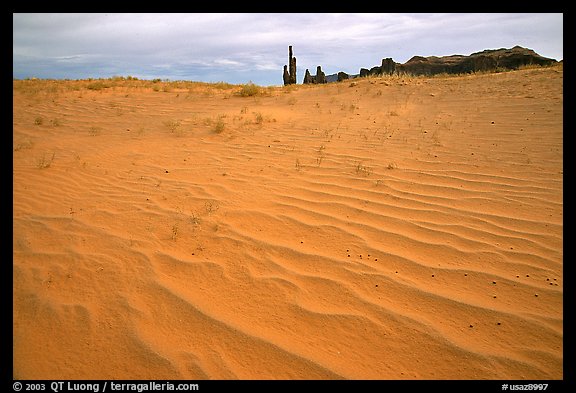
488, 60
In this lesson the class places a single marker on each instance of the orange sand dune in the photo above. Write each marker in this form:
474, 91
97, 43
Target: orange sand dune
386, 228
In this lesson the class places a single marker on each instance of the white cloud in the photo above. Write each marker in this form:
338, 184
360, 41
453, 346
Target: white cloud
227, 62
222, 44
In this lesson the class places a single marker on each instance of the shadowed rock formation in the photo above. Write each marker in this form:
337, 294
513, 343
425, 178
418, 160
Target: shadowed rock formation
364, 72
289, 75
307, 77
388, 66
286, 76
342, 76
320, 76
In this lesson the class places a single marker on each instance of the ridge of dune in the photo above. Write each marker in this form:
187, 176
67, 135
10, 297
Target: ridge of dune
340, 231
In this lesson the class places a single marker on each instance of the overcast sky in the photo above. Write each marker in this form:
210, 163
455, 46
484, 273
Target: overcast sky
238, 48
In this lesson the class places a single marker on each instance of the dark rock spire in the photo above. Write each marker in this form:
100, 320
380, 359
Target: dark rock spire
290, 74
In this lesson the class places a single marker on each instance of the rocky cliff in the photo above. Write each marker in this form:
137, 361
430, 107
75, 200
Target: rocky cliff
487, 60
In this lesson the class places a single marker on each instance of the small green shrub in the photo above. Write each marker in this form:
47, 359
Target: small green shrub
249, 90
219, 125
173, 125
98, 85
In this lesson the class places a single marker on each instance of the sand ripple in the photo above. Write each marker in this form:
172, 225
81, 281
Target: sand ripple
408, 236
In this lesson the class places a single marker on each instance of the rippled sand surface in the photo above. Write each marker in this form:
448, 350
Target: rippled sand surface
386, 228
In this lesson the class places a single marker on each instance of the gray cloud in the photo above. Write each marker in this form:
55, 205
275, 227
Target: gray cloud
240, 47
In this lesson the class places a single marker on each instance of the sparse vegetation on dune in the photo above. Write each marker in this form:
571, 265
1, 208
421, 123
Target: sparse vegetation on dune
45, 161
35, 85
219, 125
249, 90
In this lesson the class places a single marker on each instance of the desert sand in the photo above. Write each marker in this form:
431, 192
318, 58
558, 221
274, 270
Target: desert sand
382, 228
